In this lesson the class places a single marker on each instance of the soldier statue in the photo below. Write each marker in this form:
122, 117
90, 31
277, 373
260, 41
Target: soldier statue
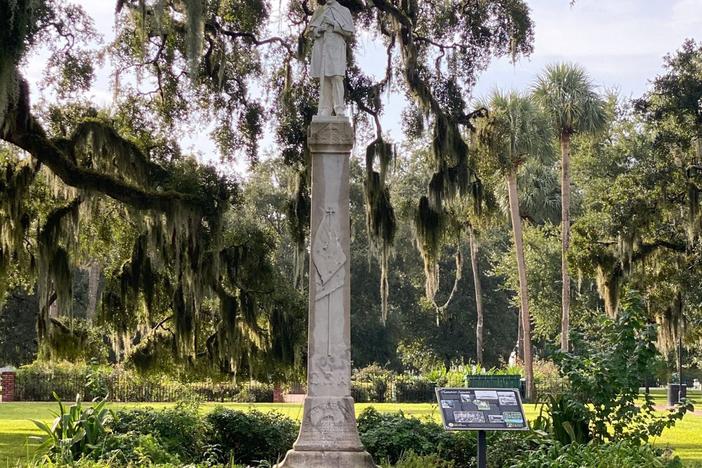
331, 27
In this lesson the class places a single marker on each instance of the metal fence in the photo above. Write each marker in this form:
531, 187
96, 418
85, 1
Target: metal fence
33, 387
126, 387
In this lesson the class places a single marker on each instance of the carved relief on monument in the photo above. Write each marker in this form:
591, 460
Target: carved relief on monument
330, 419
330, 372
328, 255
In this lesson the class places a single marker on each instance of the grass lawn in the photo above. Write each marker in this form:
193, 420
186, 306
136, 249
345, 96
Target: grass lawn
15, 425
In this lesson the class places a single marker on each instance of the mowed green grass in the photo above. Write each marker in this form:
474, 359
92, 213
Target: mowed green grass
16, 425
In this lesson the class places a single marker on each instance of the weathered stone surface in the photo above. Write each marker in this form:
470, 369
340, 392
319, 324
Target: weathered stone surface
328, 459
328, 434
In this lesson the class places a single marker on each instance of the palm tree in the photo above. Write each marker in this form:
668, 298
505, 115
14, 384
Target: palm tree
474, 262
514, 131
567, 95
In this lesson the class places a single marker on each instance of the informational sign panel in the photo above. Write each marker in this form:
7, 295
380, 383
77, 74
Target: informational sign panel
481, 409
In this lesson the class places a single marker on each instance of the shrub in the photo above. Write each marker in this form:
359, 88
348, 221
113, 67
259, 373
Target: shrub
133, 448
387, 437
412, 460
414, 389
39, 380
250, 437
604, 375
359, 392
180, 430
255, 392
390, 437
625, 454
378, 378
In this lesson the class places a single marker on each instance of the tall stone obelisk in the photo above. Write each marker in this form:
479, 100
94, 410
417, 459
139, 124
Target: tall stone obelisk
328, 434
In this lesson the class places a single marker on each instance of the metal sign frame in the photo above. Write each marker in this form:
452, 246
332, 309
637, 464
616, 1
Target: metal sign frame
486, 426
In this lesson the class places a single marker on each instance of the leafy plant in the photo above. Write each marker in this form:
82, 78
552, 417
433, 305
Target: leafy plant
75, 432
133, 449
180, 430
605, 372
623, 454
250, 437
412, 460
567, 419
378, 378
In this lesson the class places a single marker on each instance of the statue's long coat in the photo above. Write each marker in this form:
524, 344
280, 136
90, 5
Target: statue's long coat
329, 50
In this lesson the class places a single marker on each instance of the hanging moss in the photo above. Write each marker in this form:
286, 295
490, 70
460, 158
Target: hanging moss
195, 15
380, 214
429, 224
15, 181
53, 267
104, 150
298, 216
19, 22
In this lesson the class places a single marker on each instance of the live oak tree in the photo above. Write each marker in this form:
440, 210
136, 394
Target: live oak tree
639, 228
122, 161
177, 62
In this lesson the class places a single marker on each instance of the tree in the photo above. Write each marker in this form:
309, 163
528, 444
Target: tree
179, 63
514, 131
567, 95
640, 189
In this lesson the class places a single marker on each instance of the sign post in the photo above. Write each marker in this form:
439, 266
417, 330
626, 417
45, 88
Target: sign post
481, 410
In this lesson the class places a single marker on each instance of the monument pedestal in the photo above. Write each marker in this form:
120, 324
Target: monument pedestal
328, 435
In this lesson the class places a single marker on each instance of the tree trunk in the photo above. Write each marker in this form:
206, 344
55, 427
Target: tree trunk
523, 291
520, 336
478, 296
94, 271
565, 237
680, 342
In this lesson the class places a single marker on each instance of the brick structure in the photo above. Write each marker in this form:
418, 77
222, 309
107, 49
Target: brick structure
278, 394
8, 386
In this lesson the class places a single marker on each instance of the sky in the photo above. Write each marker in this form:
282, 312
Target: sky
621, 43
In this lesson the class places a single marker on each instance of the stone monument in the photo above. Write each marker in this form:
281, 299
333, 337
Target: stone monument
328, 435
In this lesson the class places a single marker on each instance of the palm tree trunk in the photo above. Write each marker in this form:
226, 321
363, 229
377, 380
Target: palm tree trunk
478, 295
565, 237
520, 336
523, 291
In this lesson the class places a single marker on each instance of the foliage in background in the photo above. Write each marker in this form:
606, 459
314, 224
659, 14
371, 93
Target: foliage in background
622, 454
605, 370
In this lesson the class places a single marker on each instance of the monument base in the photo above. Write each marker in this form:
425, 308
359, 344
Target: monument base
298, 459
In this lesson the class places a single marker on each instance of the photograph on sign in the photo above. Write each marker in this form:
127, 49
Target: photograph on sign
492, 409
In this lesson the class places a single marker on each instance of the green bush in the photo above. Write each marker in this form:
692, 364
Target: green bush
376, 380
133, 448
412, 460
390, 437
604, 373
359, 392
255, 392
180, 430
414, 389
387, 437
624, 454
250, 437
